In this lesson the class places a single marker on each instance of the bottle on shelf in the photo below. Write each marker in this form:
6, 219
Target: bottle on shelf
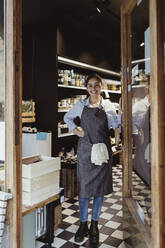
72, 78
81, 82
76, 79
69, 78
66, 77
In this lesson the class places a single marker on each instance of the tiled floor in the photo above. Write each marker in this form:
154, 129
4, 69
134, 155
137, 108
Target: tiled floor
142, 194
110, 222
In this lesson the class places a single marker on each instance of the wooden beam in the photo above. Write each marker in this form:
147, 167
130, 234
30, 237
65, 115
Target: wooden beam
126, 103
129, 103
157, 122
13, 111
127, 6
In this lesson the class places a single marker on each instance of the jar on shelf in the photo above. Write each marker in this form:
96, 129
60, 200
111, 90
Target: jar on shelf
60, 76
66, 77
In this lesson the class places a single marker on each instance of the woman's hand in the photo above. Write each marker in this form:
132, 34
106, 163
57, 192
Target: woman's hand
79, 132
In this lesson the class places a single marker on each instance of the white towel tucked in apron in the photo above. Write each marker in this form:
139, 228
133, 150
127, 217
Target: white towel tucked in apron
99, 154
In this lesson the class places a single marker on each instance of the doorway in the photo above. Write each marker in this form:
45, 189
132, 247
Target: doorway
156, 92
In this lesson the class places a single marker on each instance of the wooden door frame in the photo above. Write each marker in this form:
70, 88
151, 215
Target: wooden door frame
13, 80
13, 118
157, 115
157, 123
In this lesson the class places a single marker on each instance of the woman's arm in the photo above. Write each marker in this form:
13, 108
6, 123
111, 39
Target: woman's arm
74, 112
78, 131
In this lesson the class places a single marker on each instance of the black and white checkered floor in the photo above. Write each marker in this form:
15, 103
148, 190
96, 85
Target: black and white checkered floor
110, 222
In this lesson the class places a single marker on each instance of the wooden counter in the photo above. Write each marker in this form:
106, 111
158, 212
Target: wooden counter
28, 209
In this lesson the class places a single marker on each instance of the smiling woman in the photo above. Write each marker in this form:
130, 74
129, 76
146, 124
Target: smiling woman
94, 168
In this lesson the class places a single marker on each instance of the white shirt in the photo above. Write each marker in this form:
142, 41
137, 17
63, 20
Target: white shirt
139, 110
114, 120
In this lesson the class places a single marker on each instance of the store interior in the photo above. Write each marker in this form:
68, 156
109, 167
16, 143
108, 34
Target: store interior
63, 42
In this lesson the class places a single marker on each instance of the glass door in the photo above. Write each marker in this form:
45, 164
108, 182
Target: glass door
2, 96
143, 84
140, 88
135, 34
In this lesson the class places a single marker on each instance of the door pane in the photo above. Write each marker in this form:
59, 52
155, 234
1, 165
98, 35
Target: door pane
2, 93
141, 109
2, 79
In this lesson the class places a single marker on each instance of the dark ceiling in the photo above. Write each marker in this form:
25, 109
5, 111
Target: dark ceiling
83, 12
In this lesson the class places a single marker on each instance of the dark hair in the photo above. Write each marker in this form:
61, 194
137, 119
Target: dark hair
96, 76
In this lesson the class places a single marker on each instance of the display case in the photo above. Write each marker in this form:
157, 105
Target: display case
71, 88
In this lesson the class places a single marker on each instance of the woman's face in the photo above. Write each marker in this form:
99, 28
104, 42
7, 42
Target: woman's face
94, 87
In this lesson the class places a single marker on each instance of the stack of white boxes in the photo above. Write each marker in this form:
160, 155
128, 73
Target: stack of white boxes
4, 197
40, 175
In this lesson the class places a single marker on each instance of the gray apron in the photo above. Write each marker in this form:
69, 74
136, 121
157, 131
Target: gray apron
93, 180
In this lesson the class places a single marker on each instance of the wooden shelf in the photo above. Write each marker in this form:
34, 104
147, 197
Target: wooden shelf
79, 64
139, 86
113, 91
28, 120
29, 209
84, 88
71, 87
63, 110
65, 135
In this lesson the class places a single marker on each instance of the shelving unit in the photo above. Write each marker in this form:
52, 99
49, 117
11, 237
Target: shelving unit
84, 88
75, 63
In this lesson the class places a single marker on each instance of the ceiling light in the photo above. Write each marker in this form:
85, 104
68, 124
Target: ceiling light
98, 10
99, 6
142, 44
